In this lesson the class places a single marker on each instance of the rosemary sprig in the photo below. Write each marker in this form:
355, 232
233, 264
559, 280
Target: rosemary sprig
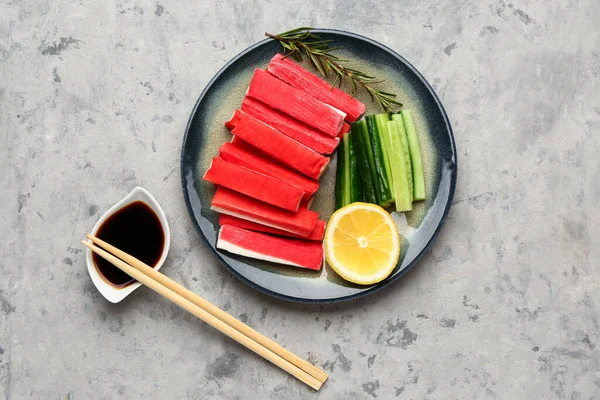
318, 52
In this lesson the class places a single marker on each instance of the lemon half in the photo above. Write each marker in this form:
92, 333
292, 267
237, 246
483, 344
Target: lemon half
362, 243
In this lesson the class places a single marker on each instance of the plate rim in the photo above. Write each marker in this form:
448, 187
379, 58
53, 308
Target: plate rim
377, 287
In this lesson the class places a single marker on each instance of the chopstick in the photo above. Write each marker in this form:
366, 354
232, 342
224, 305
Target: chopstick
211, 314
212, 309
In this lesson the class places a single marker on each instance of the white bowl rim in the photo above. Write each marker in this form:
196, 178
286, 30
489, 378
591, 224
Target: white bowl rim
110, 292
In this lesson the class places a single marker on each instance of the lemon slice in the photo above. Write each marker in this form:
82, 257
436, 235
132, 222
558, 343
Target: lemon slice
362, 243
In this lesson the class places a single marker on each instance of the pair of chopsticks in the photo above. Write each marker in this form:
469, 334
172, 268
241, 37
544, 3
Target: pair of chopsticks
209, 313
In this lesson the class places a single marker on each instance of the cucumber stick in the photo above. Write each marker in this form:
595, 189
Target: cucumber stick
342, 180
364, 158
406, 152
347, 183
380, 177
381, 121
355, 180
398, 165
415, 156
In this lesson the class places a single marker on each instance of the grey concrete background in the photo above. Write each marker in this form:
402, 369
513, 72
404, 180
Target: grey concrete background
94, 97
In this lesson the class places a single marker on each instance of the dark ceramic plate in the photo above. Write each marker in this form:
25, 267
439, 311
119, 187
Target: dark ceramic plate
205, 133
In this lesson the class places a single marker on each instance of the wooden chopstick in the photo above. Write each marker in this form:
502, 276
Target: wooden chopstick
212, 309
210, 319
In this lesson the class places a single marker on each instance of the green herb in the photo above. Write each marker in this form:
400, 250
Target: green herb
302, 41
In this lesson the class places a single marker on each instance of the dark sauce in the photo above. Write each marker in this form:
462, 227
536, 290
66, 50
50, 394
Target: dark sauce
137, 231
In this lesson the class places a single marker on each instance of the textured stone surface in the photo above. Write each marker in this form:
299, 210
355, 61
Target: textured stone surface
94, 98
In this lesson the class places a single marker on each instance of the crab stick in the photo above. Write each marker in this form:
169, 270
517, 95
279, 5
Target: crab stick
298, 253
245, 155
228, 202
277, 145
254, 184
295, 102
298, 77
316, 234
289, 126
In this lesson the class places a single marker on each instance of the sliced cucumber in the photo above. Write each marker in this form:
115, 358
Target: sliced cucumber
364, 158
404, 139
398, 165
381, 121
342, 178
384, 194
415, 156
355, 183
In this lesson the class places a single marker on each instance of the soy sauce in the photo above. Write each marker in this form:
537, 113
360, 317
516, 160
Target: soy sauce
137, 231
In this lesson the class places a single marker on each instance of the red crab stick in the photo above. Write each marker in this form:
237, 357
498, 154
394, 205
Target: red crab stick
254, 184
293, 74
295, 102
299, 131
240, 144
316, 234
299, 253
307, 201
244, 155
277, 145
345, 129
235, 204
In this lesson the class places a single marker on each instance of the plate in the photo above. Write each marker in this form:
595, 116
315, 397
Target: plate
206, 132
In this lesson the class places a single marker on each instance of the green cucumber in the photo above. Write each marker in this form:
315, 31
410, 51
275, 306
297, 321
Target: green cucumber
364, 158
381, 121
355, 183
380, 178
405, 150
347, 182
415, 156
342, 181
398, 165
